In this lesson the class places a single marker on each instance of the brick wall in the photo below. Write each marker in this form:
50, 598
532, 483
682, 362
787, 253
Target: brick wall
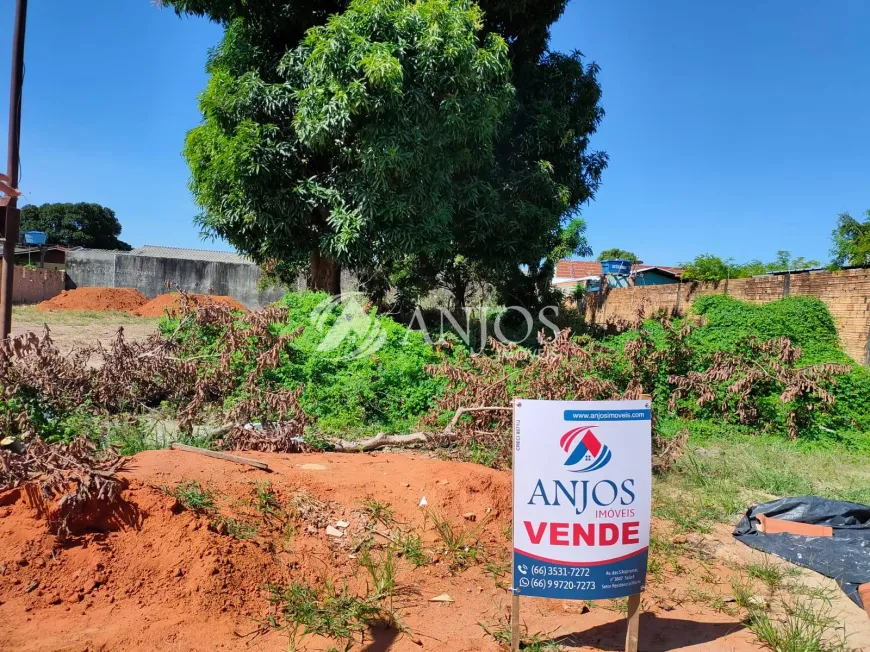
846, 293
35, 285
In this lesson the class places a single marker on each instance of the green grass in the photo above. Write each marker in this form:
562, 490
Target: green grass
771, 574
193, 496
742, 592
461, 543
725, 471
236, 528
381, 568
498, 570
266, 502
410, 547
323, 610
335, 613
77, 317
501, 633
378, 511
806, 625
133, 435
664, 555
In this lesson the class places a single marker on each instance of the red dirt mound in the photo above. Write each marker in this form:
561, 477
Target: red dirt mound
161, 577
171, 302
95, 299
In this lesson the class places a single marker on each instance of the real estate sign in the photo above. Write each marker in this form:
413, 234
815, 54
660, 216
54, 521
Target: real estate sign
582, 494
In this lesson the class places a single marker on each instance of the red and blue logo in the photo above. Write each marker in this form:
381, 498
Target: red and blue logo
588, 452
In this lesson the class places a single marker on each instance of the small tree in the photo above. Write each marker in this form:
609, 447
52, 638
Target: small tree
707, 267
784, 263
618, 254
75, 225
851, 240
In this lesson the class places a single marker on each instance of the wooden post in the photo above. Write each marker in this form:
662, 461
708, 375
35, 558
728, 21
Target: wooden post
515, 596
633, 619
515, 621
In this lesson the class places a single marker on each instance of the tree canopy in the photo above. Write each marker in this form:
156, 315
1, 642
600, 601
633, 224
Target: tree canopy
851, 241
708, 267
618, 254
404, 140
75, 225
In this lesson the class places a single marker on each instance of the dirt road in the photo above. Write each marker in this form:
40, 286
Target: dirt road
72, 330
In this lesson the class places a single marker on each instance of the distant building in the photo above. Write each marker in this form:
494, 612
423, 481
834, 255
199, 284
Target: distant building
570, 273
32, 256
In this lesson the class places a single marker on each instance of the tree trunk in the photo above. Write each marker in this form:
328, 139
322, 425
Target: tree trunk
460, 293
324, 274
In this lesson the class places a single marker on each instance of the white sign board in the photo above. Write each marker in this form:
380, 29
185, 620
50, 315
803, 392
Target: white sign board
582, 498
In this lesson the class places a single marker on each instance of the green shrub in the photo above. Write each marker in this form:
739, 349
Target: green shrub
386, 389
804, 320
807, 322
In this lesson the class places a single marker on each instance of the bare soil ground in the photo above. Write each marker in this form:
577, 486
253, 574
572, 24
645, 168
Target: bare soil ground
72, 329
157, 576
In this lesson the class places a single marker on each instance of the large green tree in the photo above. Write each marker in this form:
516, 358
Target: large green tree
851, 241
618, 254
75, 225
405, 140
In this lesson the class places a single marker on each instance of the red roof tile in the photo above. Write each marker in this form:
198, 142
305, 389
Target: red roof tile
579, 268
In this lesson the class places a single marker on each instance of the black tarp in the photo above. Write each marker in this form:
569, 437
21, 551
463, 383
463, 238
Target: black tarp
844, 557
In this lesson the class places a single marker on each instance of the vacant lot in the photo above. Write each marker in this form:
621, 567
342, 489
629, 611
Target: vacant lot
205, 554
71, 330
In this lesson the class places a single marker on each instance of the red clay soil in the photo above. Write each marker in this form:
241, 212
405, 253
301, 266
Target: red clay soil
171, 302
95, 299
156, 576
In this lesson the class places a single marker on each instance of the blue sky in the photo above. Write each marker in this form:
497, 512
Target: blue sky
732, 128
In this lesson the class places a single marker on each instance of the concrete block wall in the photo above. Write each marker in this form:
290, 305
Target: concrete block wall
846, 294
35, 285
91, 268
150, 275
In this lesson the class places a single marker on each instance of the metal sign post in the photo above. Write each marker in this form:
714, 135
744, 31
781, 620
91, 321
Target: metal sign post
582, 500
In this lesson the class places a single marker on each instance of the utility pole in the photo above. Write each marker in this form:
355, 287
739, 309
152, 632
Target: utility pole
13, 215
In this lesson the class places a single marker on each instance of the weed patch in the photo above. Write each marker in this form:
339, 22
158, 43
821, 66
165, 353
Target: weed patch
325, 610
461, 544
193, 496
234, 528
410, 547
806, 626
501, 633
771, 574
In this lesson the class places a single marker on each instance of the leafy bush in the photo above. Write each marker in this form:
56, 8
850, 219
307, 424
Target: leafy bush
312, 368
804, 320
807, 323
382, 389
